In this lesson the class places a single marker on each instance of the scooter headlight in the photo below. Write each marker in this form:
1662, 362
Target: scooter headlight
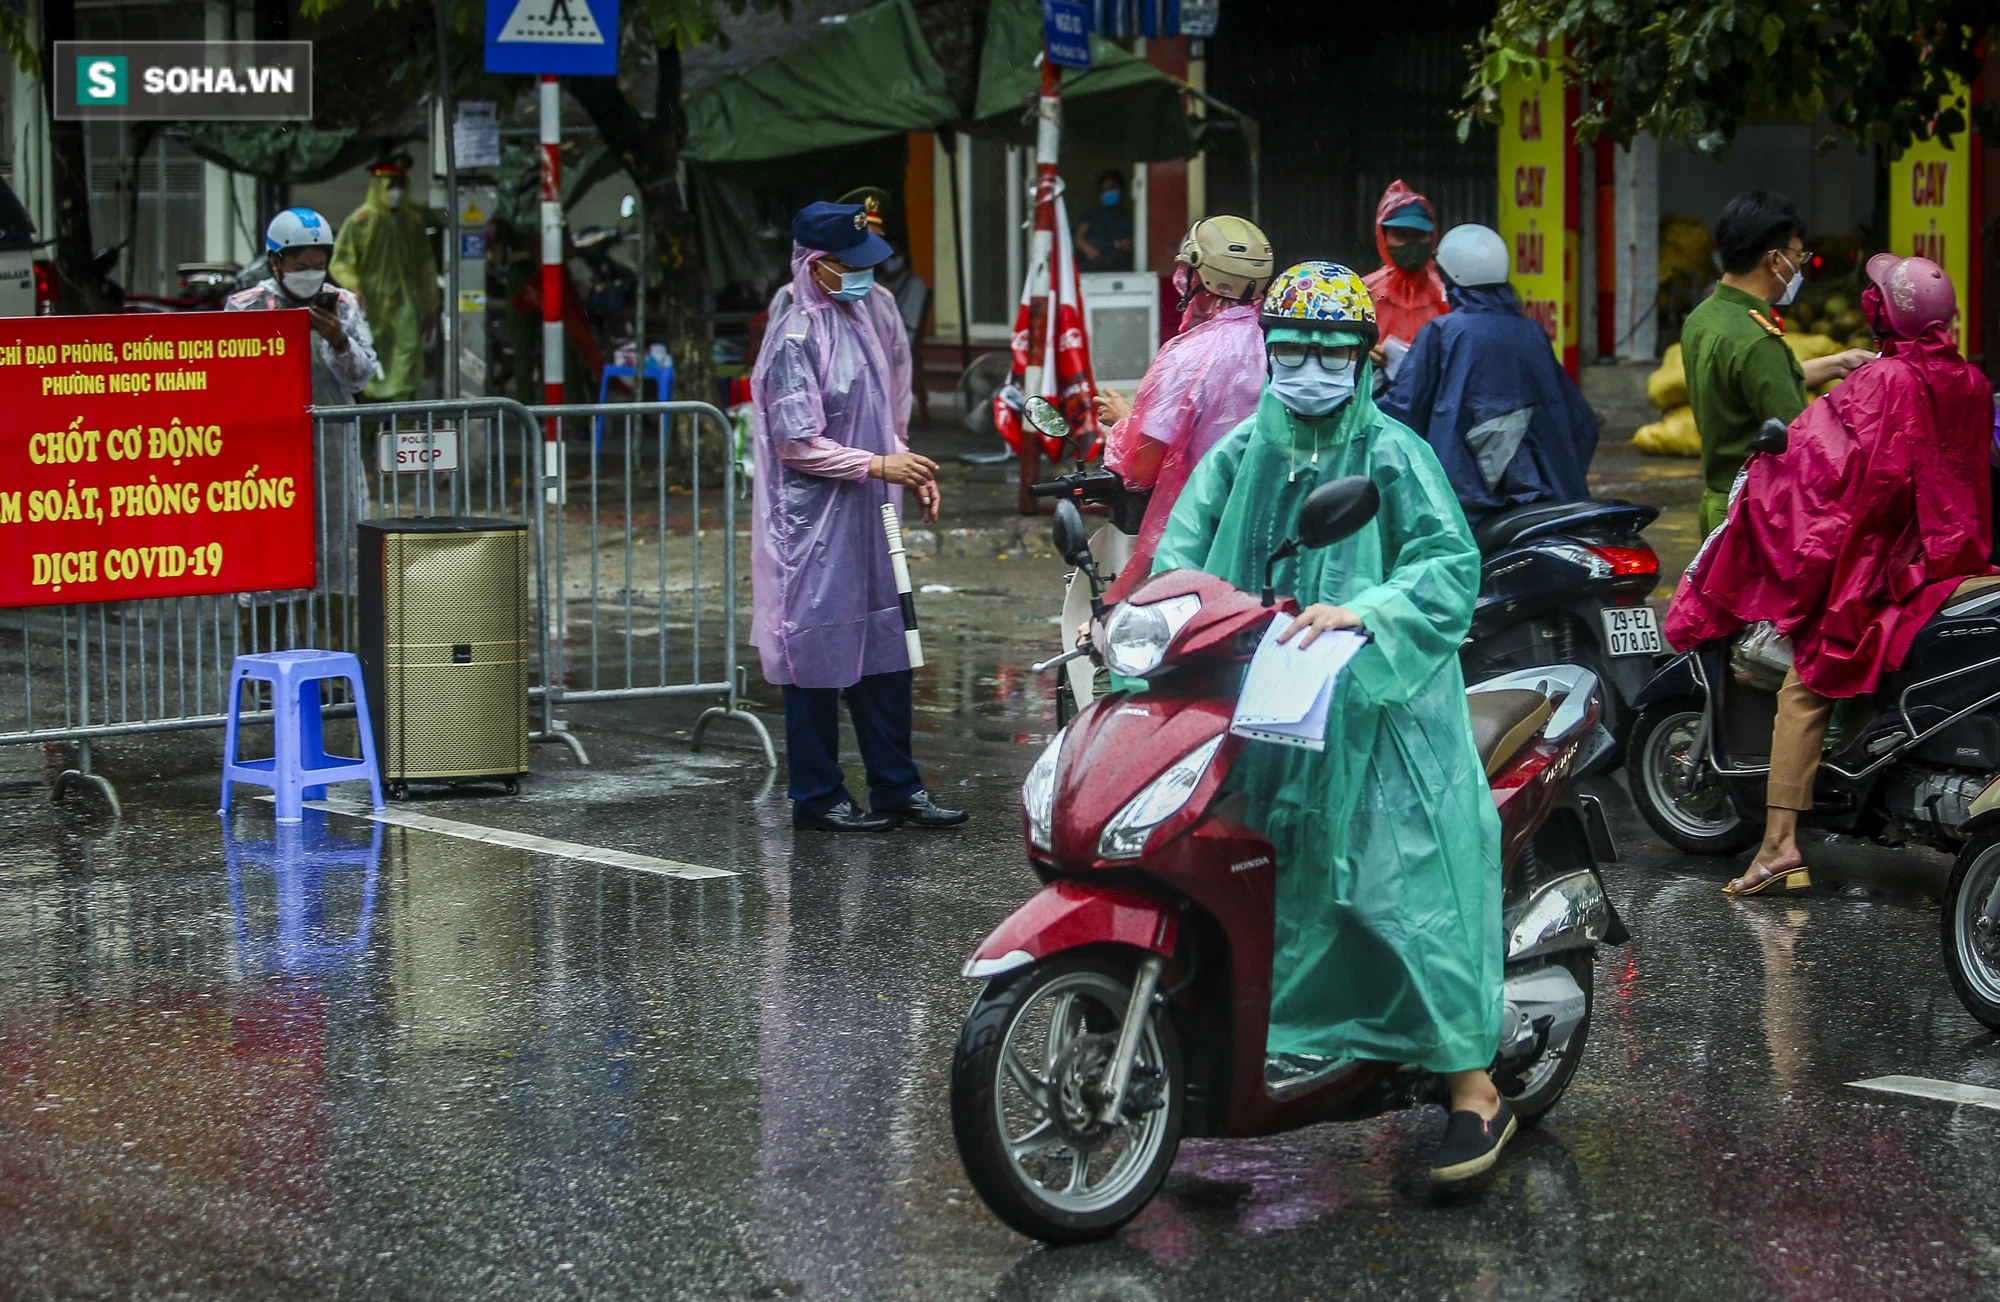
1038, 793
1126, 834
1136, 639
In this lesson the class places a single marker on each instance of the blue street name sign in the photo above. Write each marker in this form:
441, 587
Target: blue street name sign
552, 37
1066, 32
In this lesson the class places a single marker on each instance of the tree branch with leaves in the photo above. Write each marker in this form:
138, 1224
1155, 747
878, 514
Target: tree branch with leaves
1884, 71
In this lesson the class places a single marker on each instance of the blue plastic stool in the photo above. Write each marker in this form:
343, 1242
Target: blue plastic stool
661, 374
299, 768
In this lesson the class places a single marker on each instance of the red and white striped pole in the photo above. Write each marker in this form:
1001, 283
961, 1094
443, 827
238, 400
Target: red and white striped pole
1042, 267
552, 290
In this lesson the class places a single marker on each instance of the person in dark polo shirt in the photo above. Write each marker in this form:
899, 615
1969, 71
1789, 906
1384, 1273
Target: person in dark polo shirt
1739, 371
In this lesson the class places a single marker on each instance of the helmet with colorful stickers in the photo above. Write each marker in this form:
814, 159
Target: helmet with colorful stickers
1320, 296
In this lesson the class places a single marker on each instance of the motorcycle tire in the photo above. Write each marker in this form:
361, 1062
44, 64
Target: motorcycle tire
1535, 1103
981, 1084
1710, 826
1972, 959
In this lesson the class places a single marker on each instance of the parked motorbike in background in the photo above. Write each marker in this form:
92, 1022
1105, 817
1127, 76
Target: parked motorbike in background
1917, 762
1127, 1004
203, 288
1566, 583
1110, 551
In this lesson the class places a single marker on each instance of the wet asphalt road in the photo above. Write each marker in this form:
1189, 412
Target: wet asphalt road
367, 1062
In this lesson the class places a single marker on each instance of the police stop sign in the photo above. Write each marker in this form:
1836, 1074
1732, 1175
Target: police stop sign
155, 456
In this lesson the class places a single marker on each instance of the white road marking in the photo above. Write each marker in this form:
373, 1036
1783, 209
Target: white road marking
638, 863
1944, 1091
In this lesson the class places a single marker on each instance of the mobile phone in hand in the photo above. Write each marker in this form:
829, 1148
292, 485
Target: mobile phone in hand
328, 299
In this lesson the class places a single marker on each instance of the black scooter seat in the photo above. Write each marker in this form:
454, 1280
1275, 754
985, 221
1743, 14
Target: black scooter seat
1504, 529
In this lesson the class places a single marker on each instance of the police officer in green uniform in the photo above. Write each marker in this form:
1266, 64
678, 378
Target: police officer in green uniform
1739, 371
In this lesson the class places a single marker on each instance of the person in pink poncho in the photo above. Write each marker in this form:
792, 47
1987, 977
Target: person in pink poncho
1852, 539
1202, 383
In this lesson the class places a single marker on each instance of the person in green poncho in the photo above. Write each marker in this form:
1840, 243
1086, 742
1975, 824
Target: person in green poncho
384, 253
1388, 941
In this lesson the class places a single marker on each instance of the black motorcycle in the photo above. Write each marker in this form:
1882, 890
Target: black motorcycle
1913, 763
1565, 583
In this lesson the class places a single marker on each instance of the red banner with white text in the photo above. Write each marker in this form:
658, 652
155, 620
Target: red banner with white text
154, 455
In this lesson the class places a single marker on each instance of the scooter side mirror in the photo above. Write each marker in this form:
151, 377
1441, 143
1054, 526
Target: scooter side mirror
1772, 438
1072, 543
1337, 509
1042, 414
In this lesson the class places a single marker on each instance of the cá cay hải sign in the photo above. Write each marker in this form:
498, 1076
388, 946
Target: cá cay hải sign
155, 456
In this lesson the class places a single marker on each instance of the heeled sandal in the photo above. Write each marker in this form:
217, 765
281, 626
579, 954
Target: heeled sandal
1795, 878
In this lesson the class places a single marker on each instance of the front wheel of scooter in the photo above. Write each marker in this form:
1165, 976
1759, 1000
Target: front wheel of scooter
1024, 1099
1970, 926
1679, 793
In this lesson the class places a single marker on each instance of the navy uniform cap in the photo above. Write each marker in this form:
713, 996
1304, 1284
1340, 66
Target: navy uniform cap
842, 230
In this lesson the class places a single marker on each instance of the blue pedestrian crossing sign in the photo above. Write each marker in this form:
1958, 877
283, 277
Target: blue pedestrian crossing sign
552, 37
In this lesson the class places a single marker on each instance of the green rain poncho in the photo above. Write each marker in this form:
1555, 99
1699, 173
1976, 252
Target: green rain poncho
384, 254
1388, 939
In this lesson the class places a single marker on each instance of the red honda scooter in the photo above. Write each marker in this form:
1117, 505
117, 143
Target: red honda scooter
1126, 1005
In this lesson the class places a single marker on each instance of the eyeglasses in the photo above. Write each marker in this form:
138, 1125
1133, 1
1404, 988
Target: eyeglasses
1799, 258
1332, 357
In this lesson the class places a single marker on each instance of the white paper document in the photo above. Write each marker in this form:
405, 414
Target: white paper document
1393, 352
1287, 691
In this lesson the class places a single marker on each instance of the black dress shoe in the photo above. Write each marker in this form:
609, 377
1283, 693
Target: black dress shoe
846, 817
923, 812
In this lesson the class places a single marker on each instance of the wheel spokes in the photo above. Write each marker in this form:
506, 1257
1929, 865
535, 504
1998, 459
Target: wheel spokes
1079, 1173
1039, 1140
1035, 1087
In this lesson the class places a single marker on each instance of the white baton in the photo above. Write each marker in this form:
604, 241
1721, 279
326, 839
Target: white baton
912, 639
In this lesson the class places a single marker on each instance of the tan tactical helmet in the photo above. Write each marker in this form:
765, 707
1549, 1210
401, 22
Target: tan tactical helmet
1230, 255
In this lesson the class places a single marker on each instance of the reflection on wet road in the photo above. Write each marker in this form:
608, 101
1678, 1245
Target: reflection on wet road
350, 1060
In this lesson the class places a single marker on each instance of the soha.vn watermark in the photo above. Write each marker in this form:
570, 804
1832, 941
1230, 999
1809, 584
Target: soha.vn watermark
183, 80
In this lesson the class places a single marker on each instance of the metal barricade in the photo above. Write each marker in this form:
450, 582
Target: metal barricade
611, 561
84, 673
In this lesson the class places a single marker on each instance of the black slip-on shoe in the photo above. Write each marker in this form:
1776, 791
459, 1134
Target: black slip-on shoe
1471, 1144
921, 811
845, 817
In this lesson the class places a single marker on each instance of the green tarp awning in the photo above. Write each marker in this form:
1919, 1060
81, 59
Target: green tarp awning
868, 77
874, 76
1121, 107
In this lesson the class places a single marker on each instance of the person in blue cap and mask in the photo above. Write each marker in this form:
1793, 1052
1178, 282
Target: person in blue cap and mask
830, 415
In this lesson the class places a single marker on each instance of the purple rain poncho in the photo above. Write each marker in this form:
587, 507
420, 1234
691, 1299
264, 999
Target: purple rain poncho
825, 609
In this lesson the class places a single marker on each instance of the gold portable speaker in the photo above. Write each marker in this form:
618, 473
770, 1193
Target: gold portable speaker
444, 647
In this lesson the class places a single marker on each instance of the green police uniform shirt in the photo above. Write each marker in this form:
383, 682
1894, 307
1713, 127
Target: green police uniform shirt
1739, 374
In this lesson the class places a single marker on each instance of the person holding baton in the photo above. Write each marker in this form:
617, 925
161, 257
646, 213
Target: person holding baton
830, 396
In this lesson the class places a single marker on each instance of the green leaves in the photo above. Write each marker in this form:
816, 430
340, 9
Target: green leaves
1693, 71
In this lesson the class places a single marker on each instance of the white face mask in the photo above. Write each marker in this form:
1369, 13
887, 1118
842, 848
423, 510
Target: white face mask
395, 196
1793, 285
303, 284
1312, 390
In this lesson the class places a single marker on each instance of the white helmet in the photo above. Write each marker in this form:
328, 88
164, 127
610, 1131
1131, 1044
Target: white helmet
1473, 255
298, 228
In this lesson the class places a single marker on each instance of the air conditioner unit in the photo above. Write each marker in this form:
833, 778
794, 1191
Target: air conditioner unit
1121, 310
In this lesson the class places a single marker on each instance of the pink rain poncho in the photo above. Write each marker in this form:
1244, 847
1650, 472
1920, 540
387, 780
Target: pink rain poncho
1853, 538
1201, 385
830, 391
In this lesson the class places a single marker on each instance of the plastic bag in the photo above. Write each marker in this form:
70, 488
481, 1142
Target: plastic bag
1761, 657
